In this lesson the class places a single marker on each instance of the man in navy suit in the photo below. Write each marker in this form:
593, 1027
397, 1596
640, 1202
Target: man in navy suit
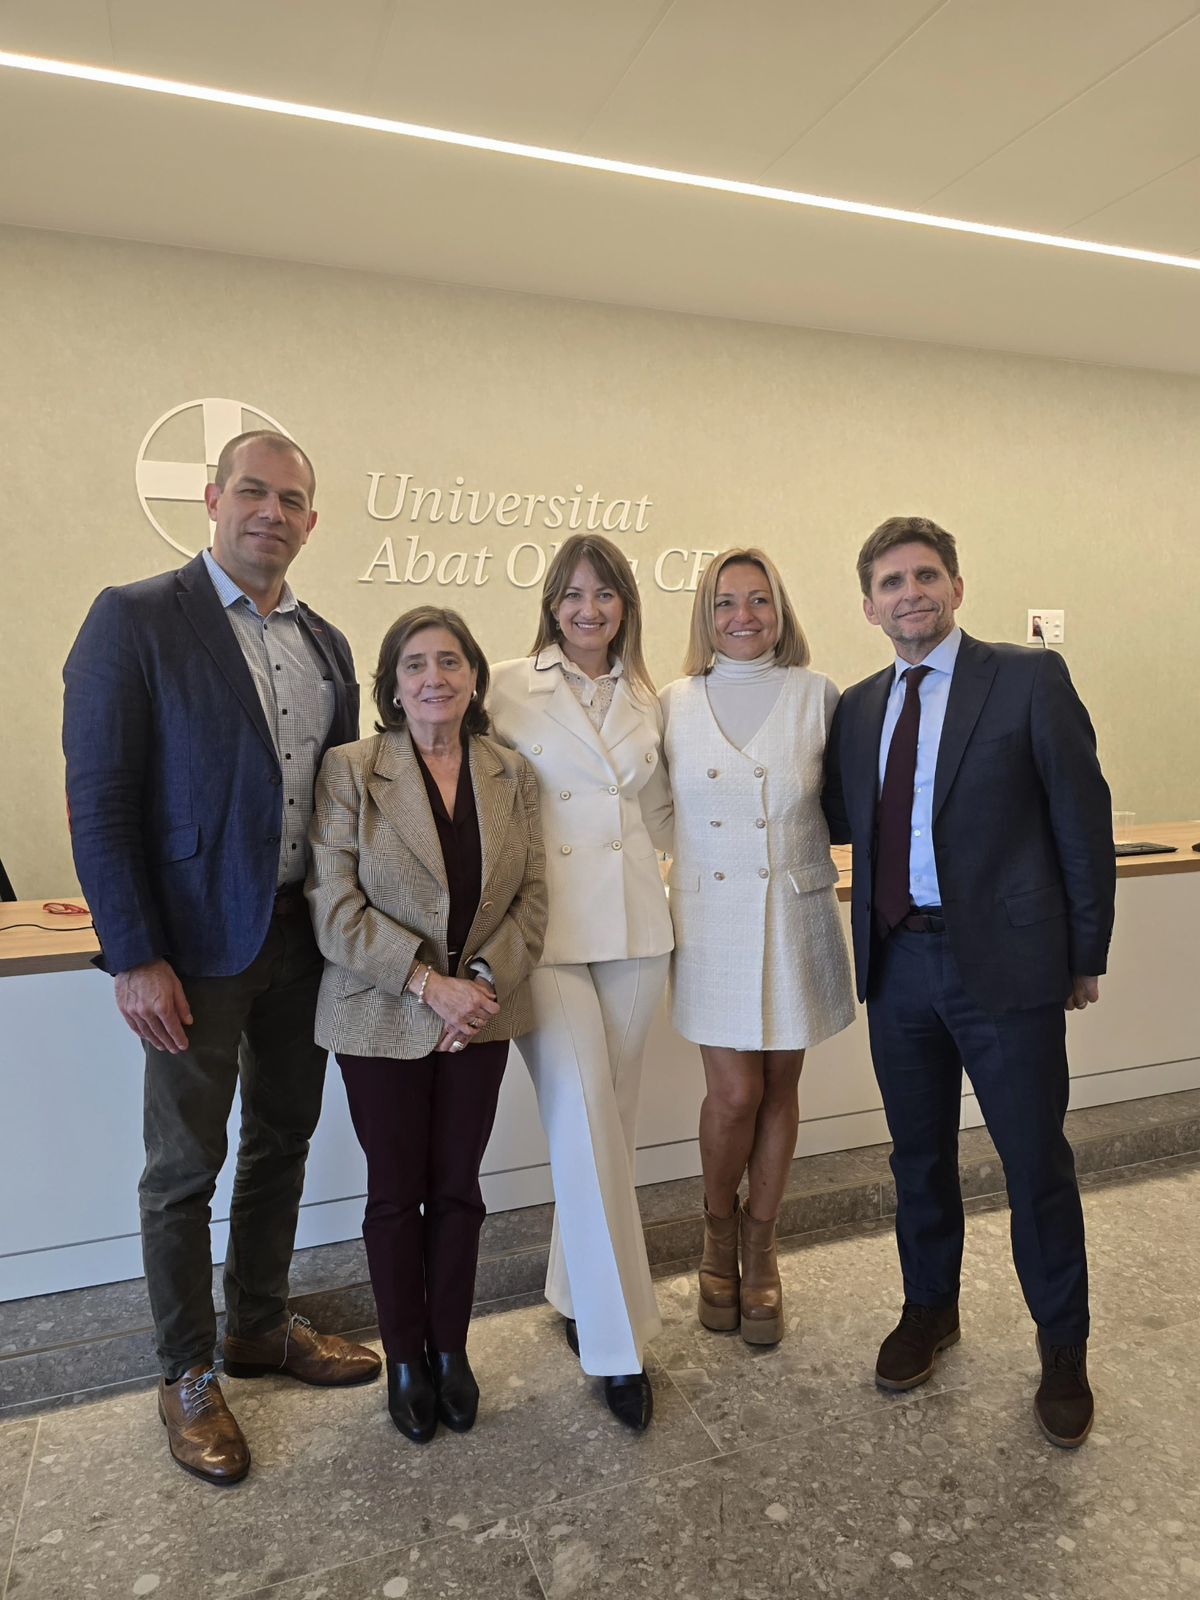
198, 705
965, 776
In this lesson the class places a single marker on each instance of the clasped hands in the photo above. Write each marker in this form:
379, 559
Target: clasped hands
464, 1005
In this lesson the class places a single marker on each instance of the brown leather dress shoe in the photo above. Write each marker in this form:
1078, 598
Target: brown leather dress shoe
299, 1350
202, 1432
907, 1355
1063, 1404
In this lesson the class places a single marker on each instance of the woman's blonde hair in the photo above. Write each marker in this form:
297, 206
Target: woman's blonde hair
611, 567
791, 647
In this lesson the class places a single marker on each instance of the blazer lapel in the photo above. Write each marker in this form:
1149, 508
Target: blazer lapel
973, 674
495, 795
320, 640
863, 796
623, 717
200, 605
564, 709
398, 789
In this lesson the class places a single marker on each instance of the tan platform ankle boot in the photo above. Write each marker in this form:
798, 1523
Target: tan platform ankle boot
718, 1308
762, 1292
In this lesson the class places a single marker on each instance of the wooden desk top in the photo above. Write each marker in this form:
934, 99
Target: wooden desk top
66, 944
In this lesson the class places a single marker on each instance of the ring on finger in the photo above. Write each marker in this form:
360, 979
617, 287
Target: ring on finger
458, 1044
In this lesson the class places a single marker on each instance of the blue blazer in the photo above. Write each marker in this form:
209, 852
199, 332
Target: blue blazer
1022, 824
173, 785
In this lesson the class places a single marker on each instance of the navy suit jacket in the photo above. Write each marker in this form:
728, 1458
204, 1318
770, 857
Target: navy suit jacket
173, 784
1022, 824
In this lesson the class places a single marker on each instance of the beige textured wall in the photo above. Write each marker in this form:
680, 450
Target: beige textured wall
1067, 485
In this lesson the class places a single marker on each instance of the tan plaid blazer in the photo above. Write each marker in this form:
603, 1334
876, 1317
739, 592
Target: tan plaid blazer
379, 899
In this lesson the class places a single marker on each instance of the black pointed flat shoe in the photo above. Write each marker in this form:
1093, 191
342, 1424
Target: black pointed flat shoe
630, 1399
456, 1390
412, 1403
571, 1330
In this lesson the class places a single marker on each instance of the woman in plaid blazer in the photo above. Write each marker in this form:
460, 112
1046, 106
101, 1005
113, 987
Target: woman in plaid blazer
427, 891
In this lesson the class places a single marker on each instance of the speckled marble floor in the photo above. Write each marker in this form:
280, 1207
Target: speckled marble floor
767, 1473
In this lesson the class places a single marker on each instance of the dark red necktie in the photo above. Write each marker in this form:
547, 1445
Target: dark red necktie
894, 817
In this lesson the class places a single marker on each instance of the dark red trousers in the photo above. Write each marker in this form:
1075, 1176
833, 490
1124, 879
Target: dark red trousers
424, 1126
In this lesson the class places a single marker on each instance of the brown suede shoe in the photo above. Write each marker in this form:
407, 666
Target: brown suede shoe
299, 1350
907, 1355
1063, 1404
202, 1432
719, 1308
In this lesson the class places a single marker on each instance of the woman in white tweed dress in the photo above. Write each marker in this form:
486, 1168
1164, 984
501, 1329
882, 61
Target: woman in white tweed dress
760, 970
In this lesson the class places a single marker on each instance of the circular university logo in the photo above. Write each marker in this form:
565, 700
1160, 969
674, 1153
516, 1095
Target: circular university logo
210, 424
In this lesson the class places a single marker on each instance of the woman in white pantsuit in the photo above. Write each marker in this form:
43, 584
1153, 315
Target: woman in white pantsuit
760, 969
582, 709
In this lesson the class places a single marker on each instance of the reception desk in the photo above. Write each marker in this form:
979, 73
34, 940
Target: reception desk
70, 1134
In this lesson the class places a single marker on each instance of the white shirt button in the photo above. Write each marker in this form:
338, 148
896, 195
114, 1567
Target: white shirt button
612, 788
616, 844
566, 849
916, 833
761, 823
718, 875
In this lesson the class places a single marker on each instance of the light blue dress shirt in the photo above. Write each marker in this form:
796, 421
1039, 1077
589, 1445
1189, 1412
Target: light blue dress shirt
934, 690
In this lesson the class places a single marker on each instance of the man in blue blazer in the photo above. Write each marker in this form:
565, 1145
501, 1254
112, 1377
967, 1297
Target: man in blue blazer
965, 776
198, 705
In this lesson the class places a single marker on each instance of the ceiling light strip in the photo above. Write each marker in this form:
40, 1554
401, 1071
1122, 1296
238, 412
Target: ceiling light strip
570, 158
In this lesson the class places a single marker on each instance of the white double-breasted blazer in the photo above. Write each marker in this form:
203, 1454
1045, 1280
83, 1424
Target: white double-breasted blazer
760, 959
606, 807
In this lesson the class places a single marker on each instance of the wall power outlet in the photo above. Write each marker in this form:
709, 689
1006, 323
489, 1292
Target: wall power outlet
1053, 626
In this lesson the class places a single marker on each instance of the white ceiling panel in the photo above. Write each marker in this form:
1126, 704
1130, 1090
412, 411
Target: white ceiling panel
531, 70
724, 89
432, 211
974, 77
1133, 128
67, 30
1163, 215
304, 50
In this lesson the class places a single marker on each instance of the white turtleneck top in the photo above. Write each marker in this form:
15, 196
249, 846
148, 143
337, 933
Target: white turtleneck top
741, 695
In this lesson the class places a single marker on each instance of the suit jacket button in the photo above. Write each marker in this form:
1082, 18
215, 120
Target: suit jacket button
612, 788
649, 755
714, 824
564, 794
276, 779
763, 873
616, 844
566, 849
759, 772
536, 749
719, 875
761, 823
712, 772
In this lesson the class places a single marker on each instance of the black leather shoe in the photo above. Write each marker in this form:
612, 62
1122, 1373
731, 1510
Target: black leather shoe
571, 1329
1063, 1404
907, 1355
412, 1403
456, 1389
630, 1399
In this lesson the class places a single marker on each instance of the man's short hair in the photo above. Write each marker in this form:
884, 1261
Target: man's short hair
273, 441
905, 530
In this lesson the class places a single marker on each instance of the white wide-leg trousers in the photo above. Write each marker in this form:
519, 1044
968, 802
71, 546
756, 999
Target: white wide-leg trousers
585, 1058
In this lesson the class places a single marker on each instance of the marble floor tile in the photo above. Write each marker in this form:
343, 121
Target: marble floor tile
956, 1497
332, 1480
16, 1448
489, 1563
